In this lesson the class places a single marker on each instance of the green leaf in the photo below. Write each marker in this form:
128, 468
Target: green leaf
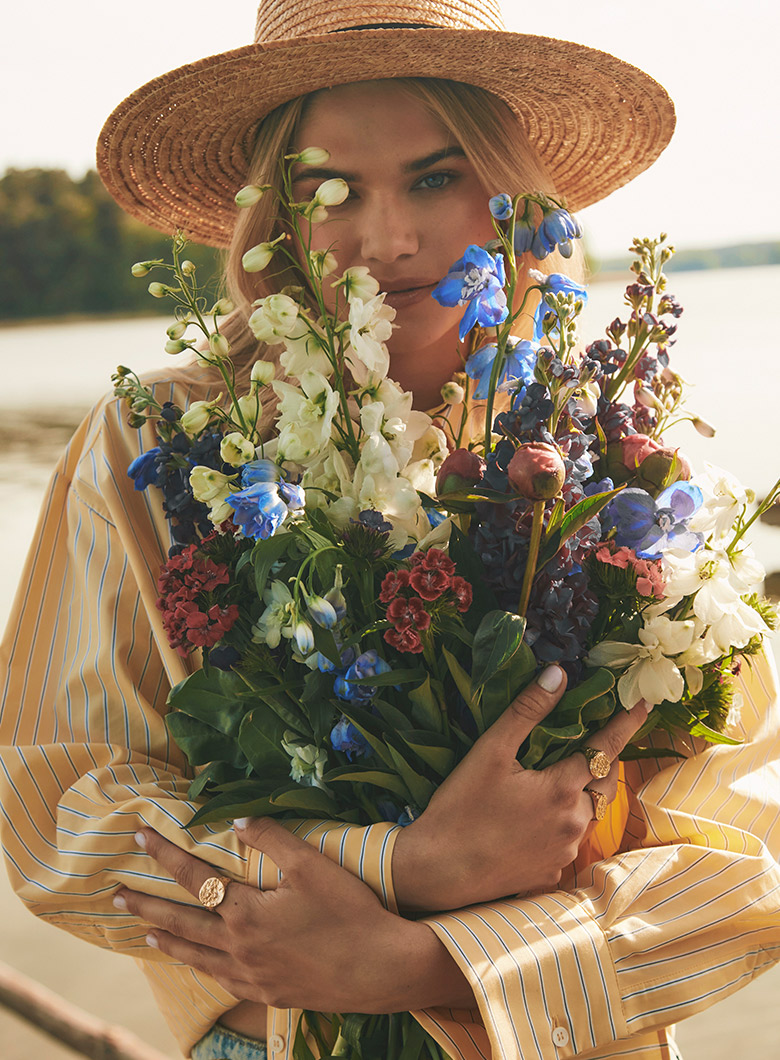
433, 749
500, 689
230, 804
463, 684
369, 726
310, 800
471, 567
201, 742
381, 778
497, 641
632, 754
265, 554
317, 704
260, 738
268, 691
216, 774
213, 696
392, 677
426, 711
543, 737
574, 520
420, 788
394, 719
325, 643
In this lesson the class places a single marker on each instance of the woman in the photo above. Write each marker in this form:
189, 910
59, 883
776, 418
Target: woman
632, 939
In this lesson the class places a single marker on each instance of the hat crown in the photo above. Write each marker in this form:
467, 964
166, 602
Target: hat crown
289, 19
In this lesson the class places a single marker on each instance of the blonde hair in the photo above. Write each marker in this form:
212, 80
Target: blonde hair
483, 125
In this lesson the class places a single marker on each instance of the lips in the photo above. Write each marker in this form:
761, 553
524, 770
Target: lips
401, 294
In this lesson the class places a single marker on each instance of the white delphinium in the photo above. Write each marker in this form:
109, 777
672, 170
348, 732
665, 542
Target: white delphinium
370, 325
333, 472
652, 674
235, 449
725, 499
278, 618
211, 487
304, 350
305, 417
198, 415
275, 318
307, 762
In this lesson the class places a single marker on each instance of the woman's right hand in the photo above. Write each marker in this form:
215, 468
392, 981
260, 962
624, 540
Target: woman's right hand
493, 828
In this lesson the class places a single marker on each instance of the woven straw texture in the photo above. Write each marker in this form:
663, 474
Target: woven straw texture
175, 152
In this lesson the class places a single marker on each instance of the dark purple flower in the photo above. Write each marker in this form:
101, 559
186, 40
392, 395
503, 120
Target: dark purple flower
651, 526
145, 470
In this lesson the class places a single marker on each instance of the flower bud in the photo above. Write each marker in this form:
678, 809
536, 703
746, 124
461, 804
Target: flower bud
537, 471
256, 259
219, 345
262, 372
323, 263
140, 269
706, 430
452, 393
208, 484
221, 308
235, 449
249, 195
635, 448
176, 331
501, 206
135, 421
312, 156
335, 596
157, 290
661, 468
188, 268
196, 419
322, 611
176, 346
460, 471
304, 636
332, 192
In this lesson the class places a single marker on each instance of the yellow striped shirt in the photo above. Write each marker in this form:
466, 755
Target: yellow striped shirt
674, 903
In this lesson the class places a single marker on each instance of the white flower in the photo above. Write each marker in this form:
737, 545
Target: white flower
313, 156
452, 393
332, 472
585, 399
262, 372
422, 475
305, 416
305, 350
431, 445
322, 263
370, 327
177, 330
725, 500
257, 258
332, 192
737, 627
219, 345
235, 449
208, 484
358, 283
651, 674
705, 575
307, 762
275, 318
278, 617
249, 195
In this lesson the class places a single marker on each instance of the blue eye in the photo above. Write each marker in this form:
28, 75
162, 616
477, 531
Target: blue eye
434, 181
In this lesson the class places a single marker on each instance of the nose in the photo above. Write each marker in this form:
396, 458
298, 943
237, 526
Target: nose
388, 230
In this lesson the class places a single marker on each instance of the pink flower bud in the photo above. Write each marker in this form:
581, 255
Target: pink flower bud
636, 448
537, 471
661, 468
460, 471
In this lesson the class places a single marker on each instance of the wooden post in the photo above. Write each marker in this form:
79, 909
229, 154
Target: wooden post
53, 1015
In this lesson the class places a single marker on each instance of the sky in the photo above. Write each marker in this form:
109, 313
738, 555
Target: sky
64, 66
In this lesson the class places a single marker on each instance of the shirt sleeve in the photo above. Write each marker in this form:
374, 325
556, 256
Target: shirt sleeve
86, 758
686, 913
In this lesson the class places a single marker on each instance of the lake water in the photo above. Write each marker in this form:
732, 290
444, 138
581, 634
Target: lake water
53, 372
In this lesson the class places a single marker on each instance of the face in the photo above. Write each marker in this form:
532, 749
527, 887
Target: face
415, 204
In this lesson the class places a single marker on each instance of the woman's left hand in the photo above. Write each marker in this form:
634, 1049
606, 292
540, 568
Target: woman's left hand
322, 940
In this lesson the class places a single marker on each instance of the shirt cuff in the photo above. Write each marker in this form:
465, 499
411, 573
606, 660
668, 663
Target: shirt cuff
542, 975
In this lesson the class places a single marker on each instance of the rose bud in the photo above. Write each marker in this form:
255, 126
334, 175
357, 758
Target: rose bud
537, 471
460, 471
661, 468
635, 448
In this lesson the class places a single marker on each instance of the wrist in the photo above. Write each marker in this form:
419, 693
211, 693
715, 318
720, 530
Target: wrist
420, 973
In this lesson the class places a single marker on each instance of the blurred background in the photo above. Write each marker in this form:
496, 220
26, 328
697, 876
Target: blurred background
70, 312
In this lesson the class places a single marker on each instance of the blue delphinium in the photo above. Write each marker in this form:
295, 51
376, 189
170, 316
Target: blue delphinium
368, 664
263, 505
651, 526
556, 283
344, 736
518, 365
501, 206
476, 281
145, 469
557, 229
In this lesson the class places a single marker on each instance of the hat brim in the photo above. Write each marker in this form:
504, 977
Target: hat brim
176, 151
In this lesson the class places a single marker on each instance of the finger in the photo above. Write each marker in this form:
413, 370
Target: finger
185, 921
213, 962
188, 871
286, 850
611, 739
526, 710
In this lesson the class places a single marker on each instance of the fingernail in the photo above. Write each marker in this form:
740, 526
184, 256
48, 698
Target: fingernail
119, 901
241, 823
151, 940
641, 703
140, 839
550, 679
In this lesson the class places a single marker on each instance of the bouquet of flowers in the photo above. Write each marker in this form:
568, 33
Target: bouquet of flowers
369, 586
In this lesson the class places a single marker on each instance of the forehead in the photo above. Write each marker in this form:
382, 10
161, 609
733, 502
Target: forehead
369, 116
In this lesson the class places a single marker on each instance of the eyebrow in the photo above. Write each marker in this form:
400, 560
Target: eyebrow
419, 164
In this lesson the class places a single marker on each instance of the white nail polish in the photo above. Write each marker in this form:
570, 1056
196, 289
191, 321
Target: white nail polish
152, 941
241, 823
120, 902
550, 679
140, 839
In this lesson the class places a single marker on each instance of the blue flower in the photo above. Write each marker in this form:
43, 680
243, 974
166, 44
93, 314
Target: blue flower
557, 229
259, 471
519, 365
477, 281
144, 470
501, 206
261, 508
369, 664
651, 526
556, 283
344, 736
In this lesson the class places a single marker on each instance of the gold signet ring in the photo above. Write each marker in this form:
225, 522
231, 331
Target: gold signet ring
213, 891
600, 804
598, 762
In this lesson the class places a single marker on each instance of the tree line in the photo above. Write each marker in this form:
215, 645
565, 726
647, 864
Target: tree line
66, 248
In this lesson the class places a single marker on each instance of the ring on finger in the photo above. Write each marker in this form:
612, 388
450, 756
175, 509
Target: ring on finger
212, 891
600, 804
598, 761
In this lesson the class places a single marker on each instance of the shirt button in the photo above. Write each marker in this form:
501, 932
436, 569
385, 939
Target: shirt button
276, 1043
560, 1037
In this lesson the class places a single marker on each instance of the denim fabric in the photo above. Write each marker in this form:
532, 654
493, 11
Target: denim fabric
222, 1044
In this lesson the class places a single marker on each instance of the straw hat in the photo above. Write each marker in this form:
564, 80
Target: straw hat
175, 152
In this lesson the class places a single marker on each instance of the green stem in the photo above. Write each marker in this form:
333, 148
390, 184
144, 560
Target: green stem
533, 556
769, 500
